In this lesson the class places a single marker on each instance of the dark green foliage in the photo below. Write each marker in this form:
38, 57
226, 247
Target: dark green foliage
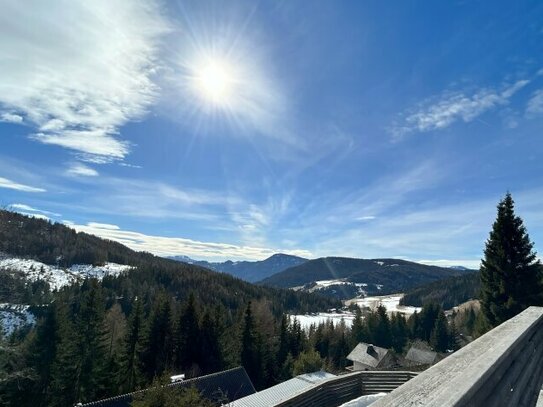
307, 362
395, 275
187, 346
447, 293
440, 338
510, 271
399, 332
251, 349
162, 395
157, 357
130, 369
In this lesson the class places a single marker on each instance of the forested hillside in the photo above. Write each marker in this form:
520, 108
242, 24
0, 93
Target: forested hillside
392, 274
447, 293
100, 338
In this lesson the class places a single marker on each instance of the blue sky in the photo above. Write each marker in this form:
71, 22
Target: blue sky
235, 130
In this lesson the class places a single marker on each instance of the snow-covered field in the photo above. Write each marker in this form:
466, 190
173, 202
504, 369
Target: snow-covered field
390, 302
58, 277
13, 316
315, 319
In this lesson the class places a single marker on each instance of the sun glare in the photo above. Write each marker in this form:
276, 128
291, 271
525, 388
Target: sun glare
215, 81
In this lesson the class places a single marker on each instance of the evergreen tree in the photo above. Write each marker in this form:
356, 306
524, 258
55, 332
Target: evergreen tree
130, 360
157, 355
307, 362
188, 348
399, 332
382, 334
439, 338
359, 331
210, 346
251, 355
510, 271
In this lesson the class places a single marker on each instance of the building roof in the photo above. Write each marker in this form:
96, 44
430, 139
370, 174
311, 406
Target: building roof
422, 354
229, 384
367, 354
282, 391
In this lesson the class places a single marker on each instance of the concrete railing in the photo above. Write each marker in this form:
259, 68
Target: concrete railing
341, 389
504, 367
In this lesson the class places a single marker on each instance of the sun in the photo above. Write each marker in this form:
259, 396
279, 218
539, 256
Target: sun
214, 81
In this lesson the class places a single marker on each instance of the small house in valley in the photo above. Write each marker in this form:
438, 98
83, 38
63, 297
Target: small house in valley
366, 356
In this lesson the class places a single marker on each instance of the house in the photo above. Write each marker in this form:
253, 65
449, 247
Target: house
421, 354
227, 385
283, 391
366, 356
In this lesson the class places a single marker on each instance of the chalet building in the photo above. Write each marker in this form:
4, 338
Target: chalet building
228, 385
421, 354
366, 356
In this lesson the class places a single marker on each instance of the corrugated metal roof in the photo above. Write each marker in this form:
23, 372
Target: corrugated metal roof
282, 391
367, 354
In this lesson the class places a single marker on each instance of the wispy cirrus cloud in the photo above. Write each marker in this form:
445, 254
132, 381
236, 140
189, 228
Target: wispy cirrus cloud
80, 71
80, 169
442, 111
27, 208
535, 104
167, 246
9, 184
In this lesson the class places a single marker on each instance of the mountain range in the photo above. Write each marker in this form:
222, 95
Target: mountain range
345, 277
251, 271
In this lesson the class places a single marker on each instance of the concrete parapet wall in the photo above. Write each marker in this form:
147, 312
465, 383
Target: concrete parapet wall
504, 367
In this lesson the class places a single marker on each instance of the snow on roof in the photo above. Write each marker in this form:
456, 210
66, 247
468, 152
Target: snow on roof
367, 354
282, 391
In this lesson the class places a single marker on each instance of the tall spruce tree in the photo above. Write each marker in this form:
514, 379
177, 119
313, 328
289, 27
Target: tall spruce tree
510, 271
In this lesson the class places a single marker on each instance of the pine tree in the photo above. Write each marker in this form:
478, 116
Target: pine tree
381, 335
130, 359
439, 338
251, 354
157, 353
510, 271
399, 332
188, 347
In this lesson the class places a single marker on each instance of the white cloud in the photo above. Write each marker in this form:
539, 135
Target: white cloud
535, 104
441, 112
106, 226
10, 118
167, 246
36, 215
469, 263
80, 71
82, 170
28, 208
6, 183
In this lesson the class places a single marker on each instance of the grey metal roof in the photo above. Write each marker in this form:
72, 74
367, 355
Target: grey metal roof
421, 356
232, 384
367, 354
282, 391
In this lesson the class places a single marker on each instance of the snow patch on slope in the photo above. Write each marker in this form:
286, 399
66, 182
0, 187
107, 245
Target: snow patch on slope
58, 277
13, 316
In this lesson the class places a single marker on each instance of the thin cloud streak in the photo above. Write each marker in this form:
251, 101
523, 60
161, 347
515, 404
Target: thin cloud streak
6, 183
441, 112
169, 246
